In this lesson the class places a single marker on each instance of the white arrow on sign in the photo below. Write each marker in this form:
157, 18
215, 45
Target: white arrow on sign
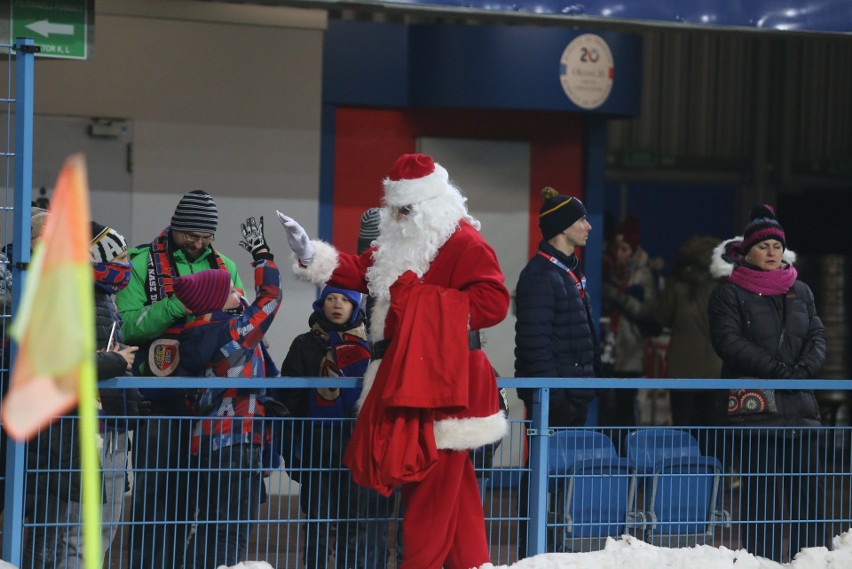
45, 28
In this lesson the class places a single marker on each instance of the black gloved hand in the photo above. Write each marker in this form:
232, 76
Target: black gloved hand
253, 239
799, 372
783, 371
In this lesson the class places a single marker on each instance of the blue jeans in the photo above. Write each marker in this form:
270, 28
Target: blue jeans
230, 491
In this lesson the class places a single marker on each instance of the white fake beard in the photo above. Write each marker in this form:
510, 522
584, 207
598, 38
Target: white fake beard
411, 243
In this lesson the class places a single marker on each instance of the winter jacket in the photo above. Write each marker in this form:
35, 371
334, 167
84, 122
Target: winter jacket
755, 334
554, 334
227, 345
629, 341
114, 402
144, 321
305, 359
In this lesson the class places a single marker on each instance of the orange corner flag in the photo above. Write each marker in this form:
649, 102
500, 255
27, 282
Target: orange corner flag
54, 327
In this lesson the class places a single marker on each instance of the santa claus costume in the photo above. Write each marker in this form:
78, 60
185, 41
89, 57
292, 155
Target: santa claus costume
430, 394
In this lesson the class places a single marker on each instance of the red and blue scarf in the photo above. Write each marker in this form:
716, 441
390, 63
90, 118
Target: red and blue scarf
111, 277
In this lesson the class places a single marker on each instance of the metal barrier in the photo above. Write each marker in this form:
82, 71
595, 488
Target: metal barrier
771, 491
20, 61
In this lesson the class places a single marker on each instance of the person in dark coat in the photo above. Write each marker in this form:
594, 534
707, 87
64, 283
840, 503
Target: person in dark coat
335, 346
554, 332
53, 488
763, 324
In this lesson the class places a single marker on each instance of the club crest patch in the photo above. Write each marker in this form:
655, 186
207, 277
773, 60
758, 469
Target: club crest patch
164, 357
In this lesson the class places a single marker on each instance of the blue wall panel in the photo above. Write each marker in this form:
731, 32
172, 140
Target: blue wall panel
483, 67
365, 64
508, 67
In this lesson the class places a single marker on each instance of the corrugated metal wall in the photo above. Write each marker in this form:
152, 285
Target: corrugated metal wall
731, 101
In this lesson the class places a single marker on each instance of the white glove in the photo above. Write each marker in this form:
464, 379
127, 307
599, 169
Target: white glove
297, 238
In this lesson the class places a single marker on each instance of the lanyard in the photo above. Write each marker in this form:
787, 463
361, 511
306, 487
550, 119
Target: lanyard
579, 283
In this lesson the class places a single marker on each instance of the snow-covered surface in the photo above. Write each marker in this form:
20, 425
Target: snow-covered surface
629, 552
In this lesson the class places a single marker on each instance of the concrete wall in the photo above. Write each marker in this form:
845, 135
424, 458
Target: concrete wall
221, 97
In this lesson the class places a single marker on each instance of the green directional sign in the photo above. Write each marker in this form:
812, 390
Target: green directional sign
58, 27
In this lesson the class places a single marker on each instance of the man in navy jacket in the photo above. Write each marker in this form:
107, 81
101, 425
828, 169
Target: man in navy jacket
554, 332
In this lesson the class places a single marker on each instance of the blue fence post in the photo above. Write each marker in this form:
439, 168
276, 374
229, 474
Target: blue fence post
25, 49
539, 435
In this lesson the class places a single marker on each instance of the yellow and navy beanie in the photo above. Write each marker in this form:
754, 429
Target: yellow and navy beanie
558, 212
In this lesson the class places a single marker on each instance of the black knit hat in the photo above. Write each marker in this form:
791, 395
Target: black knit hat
106, 243
762, 225
558, 212
369, 229
196, 212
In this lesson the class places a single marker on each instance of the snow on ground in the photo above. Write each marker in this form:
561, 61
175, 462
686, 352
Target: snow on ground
629, 552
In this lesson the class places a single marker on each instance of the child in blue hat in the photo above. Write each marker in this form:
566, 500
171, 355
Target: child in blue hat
335, 346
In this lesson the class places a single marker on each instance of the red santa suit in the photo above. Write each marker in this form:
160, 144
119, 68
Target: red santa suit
433, 396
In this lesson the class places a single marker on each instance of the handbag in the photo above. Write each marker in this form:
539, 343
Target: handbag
751, 402
756, 401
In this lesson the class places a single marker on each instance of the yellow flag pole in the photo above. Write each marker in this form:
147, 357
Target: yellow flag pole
91, 478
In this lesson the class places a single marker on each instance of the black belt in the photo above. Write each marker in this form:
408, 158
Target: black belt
380, 347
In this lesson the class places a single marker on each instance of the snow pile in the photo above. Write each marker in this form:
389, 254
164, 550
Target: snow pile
629, 552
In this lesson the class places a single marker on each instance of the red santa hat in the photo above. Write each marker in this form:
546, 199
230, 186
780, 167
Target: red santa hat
414, 178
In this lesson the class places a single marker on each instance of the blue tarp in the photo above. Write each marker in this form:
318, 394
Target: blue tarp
787, 15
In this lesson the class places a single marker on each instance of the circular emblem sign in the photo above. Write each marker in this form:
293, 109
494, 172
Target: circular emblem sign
586, 71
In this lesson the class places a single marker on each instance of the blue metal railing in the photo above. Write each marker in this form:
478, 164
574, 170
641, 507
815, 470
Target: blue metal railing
24, 64
697, 496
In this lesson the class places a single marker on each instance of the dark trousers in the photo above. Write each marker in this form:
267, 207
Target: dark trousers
327, 494
230, 491
782, 493
163, 494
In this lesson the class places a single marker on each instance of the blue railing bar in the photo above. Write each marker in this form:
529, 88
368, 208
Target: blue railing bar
24, 79
538, 477
533, 382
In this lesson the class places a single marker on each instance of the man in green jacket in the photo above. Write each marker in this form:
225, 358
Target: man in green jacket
162, 494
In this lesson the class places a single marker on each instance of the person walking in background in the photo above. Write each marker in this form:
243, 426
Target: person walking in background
555, 332
682, 307
162, 504
627, 271
430, 394
227, 447
335, 346
763, 324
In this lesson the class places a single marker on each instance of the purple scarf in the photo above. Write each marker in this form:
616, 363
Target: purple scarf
768, 283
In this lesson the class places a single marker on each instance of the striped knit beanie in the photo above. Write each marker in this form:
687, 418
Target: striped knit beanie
558, 213
369, 231
196, 212
762, 225
106, 244
203, 292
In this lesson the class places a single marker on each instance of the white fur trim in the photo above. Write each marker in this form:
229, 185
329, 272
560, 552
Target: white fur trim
322, 266
399, 193
377, 319
471, 432
369, 377
719, 267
